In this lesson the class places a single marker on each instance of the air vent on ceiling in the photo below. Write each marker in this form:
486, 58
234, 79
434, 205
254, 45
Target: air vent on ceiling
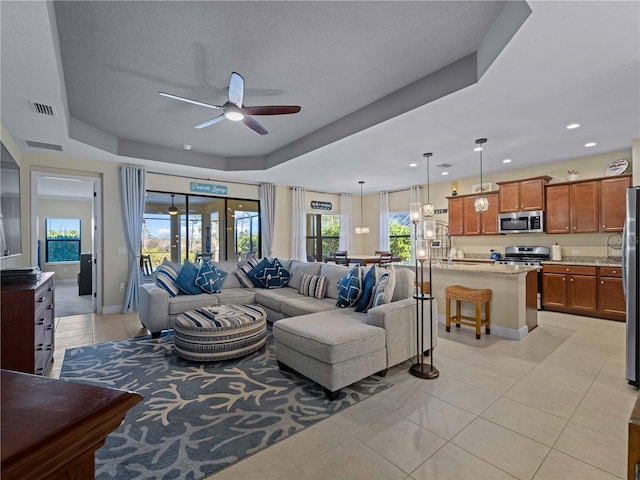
46, 146
43, 109
444, 165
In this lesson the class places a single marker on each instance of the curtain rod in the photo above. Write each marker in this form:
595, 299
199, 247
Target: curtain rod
201, 178
388, 191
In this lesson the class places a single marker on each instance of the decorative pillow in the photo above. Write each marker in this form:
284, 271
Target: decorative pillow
242, 271
385, 288
210, 278
269, 274
368, 289
350, 288
312, 285
186, 281
168, 263
165, 278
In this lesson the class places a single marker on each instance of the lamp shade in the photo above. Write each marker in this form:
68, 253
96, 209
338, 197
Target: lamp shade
173, 210
422, 249
428, 210
415, 211
481, 204
429, 229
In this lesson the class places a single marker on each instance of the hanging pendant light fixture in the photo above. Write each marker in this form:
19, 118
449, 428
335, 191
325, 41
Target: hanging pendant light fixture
361, 230
481, 204
428, 209
173, 210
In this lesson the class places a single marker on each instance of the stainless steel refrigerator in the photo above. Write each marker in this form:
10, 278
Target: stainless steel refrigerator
630, 277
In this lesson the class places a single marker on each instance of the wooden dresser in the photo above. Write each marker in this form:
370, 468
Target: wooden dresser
52, 428
27, 325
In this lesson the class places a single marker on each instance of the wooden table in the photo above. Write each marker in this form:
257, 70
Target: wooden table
52, 428
363, 258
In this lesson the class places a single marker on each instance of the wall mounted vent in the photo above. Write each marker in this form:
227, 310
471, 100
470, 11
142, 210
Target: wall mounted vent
43, 109
444, 165
46, 146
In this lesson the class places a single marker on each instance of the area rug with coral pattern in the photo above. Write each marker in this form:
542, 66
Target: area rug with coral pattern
197, 418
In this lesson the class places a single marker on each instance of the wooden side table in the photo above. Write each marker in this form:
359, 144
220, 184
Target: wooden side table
52, 428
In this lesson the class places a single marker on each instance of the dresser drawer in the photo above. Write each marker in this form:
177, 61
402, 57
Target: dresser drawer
611, 272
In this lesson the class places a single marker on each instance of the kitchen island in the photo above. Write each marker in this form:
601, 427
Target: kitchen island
514, 292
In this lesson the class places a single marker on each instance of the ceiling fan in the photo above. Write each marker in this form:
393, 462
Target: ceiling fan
235, 111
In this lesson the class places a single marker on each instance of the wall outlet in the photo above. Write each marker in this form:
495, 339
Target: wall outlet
121, 286
575, 252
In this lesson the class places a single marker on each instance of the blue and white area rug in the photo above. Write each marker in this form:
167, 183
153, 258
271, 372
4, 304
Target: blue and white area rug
198, 418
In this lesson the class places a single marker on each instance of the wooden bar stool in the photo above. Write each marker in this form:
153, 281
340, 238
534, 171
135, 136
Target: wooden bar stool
472, 295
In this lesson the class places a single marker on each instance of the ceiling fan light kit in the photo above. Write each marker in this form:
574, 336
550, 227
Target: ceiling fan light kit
234, 109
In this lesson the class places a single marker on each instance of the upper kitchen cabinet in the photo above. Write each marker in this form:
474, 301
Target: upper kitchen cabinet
522, 195
464, 220
587, 206
613, 202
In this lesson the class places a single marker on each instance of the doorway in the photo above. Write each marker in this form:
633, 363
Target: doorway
66, 221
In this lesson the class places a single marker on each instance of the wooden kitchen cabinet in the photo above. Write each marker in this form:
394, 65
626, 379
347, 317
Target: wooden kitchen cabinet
584, 290
572, 207
611, 301
522, 195
456, 225
613, 202
464, 220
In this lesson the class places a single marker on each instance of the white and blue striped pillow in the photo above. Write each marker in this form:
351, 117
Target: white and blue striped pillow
165, 278
313, 285
242, 271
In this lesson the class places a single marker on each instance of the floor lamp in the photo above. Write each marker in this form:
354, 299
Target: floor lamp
423, 252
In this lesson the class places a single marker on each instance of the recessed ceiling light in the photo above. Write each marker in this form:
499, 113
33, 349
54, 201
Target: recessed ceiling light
506, 160
444, 173
413, 165
186, 147
477, 149
571, 126
590, 144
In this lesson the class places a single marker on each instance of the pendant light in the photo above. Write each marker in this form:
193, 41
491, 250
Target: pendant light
361, 230
428, 209
173, 210
481, 204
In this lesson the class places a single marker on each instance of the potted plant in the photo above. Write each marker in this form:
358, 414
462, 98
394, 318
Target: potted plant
572, 175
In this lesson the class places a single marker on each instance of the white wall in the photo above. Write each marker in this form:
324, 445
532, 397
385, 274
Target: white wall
18, 260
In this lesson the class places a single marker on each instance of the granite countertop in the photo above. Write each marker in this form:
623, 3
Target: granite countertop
461, 266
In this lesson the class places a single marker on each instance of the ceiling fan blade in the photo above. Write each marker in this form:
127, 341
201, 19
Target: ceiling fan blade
272, 110
188, 100
254, 125
211, 122
236, 89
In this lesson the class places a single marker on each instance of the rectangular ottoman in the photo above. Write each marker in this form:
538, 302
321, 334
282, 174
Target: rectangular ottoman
334, 350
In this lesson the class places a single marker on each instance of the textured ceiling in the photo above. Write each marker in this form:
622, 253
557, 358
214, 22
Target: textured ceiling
362, 71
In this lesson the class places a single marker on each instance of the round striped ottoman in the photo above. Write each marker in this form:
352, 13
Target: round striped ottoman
220, 332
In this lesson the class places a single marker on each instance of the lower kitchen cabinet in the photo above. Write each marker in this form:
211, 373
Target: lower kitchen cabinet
583, 290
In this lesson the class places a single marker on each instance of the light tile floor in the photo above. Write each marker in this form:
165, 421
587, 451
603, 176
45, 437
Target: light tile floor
553, 406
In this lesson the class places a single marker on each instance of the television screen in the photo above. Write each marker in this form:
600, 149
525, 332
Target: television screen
10, 243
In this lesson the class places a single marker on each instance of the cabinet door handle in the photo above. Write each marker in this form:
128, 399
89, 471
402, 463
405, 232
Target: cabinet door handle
567, 269
40, 322
567, 228
50, 289
41, 299
604, 226
574, 228
615, 271
602, 282
571, 279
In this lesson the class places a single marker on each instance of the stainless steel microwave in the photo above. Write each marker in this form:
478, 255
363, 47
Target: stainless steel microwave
521, 222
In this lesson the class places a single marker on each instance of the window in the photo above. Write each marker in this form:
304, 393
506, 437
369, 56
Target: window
400, 235
62, 240
323, 235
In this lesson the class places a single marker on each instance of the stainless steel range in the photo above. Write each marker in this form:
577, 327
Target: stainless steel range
524, 255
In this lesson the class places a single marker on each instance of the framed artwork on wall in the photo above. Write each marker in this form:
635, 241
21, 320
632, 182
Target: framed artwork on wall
486, 187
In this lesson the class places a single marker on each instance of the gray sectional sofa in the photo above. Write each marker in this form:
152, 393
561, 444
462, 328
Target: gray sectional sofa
333, 346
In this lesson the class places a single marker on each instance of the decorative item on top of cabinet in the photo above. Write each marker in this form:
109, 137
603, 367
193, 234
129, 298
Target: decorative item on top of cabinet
522, 195
464, 220
27, 325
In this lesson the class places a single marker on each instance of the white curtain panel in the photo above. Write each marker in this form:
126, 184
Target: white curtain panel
298, 224
415, 195
385, 244
132, 181
345, 222
267, 192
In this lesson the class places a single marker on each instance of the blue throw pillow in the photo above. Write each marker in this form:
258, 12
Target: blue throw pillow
256, 273
165, 279
269, 274
186, 281
368, 287
350, 288
210, 278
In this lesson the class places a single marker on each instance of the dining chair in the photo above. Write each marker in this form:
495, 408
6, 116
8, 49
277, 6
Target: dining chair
341, 258
384, 258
